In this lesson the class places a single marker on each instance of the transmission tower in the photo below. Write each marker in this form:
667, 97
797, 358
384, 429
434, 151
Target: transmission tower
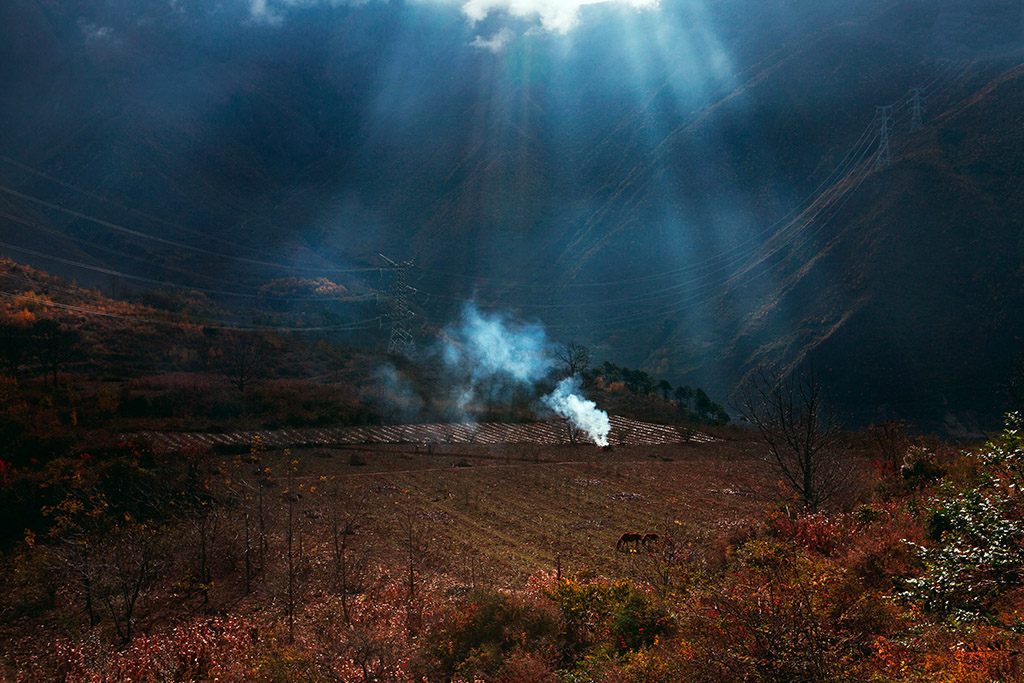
916, 108
884, 156
397, 307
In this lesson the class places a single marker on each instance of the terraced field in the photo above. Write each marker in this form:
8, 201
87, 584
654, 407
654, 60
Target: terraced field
498, 501
502, 511
624, 432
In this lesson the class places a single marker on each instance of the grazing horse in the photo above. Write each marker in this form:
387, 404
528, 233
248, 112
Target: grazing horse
651, 539
627, 538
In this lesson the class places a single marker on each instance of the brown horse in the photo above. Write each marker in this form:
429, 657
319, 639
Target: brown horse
651, 539
627, 538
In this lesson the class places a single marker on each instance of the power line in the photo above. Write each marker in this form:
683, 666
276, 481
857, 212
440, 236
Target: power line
162, 283
699, 298
364, 324
794, 229
784, 235
174, 243
139, 278
832, 179
949, 70
136, 212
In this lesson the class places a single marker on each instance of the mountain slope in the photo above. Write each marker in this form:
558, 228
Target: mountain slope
691, 190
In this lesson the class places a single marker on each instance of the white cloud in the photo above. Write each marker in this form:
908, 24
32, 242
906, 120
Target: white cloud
270, 11
559, 16
94, 32
261, 12
495, 43
554, 15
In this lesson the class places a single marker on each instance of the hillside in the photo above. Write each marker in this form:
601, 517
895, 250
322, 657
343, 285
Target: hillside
697, 207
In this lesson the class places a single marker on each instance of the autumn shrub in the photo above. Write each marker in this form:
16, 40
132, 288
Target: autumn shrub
934, 653
889, 443
784, 615
923, 465
650, 665
618, 617
22, 498
817, 532
281, 663
222, 650
880, 555
488, 630
871, 541
976, 531
29, 583
527, 668
635, 621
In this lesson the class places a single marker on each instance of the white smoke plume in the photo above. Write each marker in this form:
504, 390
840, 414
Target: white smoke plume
580, 412
494, 354
398, 393
492, 345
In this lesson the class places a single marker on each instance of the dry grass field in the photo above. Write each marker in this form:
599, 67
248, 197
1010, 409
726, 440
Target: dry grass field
504, 511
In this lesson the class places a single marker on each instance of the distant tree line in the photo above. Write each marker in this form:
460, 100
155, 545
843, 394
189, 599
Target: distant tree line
43, 343
46, 346
695, 400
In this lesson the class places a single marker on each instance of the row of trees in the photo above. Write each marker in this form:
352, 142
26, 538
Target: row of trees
640, 383
122, 528
45, 343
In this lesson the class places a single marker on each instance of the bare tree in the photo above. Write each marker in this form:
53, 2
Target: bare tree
415, 547
15, 346
297, 560
574, 357
55, 345
349, 566
801, 431
204, 522
78, 524
133, 561
241, 358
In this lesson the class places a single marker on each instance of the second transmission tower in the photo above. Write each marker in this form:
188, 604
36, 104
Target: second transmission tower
916, 108
884, 156
397, 307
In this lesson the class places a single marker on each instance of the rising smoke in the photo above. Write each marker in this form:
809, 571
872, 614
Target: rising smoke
398, 393
496, 355
494, 346
580, 412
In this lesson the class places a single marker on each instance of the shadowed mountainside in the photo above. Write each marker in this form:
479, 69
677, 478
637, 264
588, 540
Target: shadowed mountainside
675, 207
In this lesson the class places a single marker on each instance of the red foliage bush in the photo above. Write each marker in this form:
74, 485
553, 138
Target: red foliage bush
212, 649
818, 532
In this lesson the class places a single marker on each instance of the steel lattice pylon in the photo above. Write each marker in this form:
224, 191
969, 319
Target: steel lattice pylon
916, 107
397, 307
884, 156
